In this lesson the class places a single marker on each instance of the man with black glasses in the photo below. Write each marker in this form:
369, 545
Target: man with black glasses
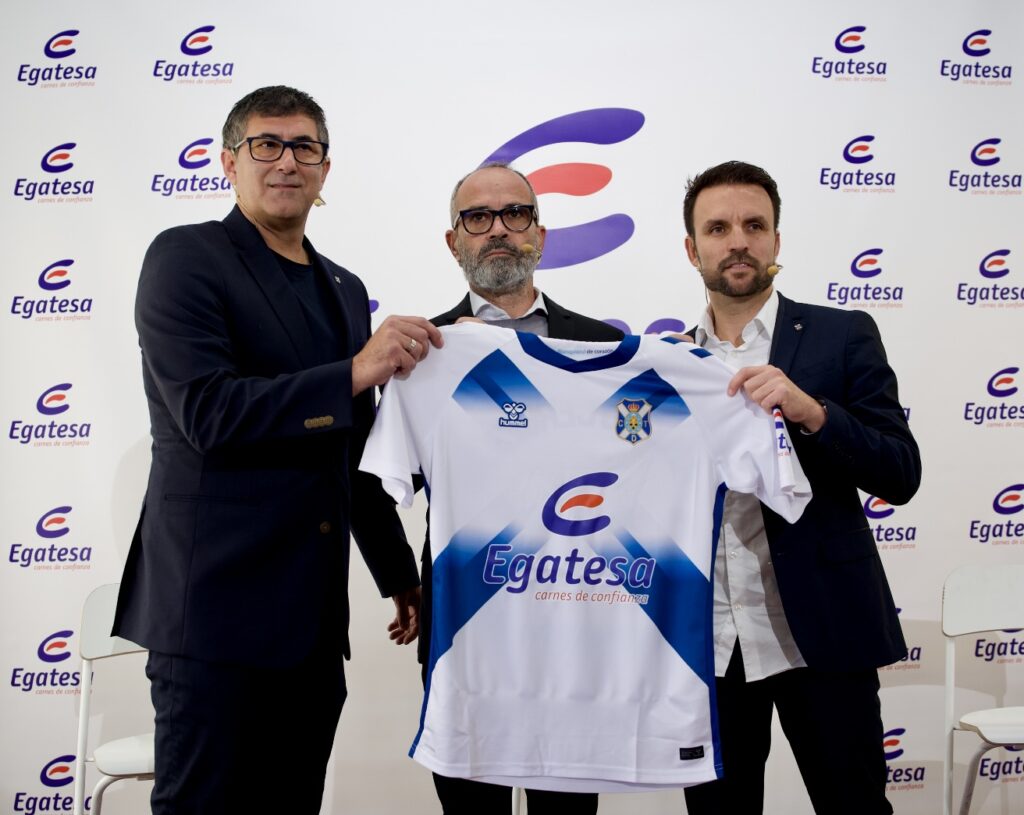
258, 367
497, 239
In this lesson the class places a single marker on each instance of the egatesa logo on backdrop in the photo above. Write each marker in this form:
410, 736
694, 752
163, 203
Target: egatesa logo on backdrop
54, 547
859, 174
199, 66
850, 65
52, 302
55, 187
571, 245
49, 428
1002, 405
981, 179
865, 290
60, 71
904, 777
50, 673
198, 155
568, 246
977, 69
992, 291
1005, 526
56, 777
889, 533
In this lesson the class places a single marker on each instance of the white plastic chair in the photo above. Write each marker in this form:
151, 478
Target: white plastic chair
976, 599
130, 757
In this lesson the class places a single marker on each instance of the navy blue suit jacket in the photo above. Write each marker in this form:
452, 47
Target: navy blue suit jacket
242, 549
834, 590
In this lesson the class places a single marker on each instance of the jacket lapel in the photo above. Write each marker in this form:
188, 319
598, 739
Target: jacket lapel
336, 284
463, 309
560, 324
263, 267
790, 325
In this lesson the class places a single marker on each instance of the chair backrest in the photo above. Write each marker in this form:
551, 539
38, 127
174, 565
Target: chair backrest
983, 598
95, 640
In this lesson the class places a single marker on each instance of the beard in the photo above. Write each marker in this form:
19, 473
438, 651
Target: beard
757, 283
497, 275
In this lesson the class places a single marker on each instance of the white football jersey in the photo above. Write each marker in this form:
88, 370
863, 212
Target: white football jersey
576, 492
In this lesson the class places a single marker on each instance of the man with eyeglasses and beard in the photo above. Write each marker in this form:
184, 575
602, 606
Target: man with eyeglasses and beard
497, 239
258, 367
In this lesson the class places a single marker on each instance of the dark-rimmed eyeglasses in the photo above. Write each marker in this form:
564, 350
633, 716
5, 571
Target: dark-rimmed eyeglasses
516, 217
266, 148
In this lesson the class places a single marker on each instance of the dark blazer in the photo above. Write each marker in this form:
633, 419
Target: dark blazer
834, 591
562, 325
242, 549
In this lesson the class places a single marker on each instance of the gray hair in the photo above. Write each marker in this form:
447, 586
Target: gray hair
274, 100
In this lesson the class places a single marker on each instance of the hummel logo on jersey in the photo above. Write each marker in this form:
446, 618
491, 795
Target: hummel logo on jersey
514, 412
634, 422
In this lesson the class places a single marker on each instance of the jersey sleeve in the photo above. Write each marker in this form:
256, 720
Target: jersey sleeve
751, 448
401, 441
395, 449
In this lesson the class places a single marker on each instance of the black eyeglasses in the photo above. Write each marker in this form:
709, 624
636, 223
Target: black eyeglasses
266, 148
516, 217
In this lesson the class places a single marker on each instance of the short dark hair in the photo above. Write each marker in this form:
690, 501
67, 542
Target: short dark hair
731, 172
488, 165
274, 100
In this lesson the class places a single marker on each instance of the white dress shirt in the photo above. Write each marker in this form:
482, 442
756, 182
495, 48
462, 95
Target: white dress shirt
747, 602
534, 321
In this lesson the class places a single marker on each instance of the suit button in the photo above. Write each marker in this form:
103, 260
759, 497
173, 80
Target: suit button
325, 527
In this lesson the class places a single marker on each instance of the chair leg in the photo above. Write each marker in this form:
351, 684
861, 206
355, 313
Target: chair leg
97, 793
517, 800
972, 774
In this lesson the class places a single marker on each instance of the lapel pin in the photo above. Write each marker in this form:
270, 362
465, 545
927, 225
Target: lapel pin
337, 279
798, 326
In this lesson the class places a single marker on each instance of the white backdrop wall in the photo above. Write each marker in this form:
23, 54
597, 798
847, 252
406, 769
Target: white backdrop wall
107, 102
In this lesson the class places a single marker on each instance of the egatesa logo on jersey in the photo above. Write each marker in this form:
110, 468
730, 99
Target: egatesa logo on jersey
889, 533
978, 68
570, 245
50, 673
61, 71
1004, 405
991, 291
198, 155
904, 776
55, 187
850, 65
54, 548
570, 512
56, 777
52, 302
867, 289
859, 174
981, 179
50, 428
198, 67
1005, 525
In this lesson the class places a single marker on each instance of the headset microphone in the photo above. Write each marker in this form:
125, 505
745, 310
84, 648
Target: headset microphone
774, 269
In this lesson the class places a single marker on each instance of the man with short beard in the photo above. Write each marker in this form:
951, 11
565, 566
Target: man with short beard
497, 239
803, 615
